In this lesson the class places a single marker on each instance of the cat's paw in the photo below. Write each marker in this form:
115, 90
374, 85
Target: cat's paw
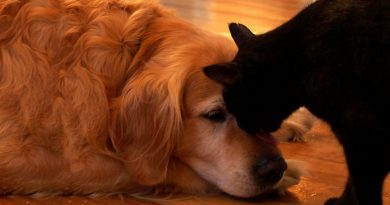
332, 201
341, 201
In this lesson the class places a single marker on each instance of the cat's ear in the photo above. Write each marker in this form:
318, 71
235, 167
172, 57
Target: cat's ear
240, 33
226, 74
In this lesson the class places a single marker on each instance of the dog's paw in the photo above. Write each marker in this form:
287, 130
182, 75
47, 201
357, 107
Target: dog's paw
295, 127
295, 170
290, 133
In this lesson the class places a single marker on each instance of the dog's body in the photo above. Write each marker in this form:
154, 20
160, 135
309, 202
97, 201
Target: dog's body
108, 96
332, 58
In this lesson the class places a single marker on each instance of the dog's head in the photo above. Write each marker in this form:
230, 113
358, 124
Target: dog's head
172, 124
218, 150
256, 83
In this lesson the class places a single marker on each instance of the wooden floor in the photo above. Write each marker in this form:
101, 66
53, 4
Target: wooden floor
322, 154
259, 15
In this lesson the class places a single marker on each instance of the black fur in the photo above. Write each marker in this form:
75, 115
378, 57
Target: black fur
334, 59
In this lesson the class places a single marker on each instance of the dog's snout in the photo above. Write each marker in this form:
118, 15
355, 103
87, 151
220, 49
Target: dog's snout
270, 169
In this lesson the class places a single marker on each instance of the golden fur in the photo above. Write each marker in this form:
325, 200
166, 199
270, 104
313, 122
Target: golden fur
108, 96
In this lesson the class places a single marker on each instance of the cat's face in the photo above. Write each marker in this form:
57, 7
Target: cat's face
253, 91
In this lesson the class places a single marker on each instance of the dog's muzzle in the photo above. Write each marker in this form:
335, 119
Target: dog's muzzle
269, 170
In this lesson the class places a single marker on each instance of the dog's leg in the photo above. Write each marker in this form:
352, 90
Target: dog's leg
295, 126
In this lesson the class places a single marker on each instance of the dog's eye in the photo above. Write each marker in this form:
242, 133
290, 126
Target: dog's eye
215, 115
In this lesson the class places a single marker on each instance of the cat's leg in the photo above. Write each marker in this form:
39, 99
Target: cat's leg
362, 189
347, 198
367, 171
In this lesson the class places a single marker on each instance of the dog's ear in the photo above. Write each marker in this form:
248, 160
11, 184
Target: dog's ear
240, 33
150, 122
226, 74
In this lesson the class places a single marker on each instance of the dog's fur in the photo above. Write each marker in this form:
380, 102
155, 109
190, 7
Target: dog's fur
296, 126
332, 58
108, 96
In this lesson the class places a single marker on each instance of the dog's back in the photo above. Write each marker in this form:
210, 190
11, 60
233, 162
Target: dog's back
62, 63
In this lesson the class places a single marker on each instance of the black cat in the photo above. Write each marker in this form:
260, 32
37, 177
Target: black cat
334, 59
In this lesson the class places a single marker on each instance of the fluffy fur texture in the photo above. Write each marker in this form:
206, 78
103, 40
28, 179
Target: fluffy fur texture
296, 126
333, 59
108, 96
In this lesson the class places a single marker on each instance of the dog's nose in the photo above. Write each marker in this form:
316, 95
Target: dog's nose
270, 170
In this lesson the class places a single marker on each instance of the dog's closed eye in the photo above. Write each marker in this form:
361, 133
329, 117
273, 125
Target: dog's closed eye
216, 115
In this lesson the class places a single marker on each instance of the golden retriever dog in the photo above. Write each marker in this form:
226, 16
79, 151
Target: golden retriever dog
108, 96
